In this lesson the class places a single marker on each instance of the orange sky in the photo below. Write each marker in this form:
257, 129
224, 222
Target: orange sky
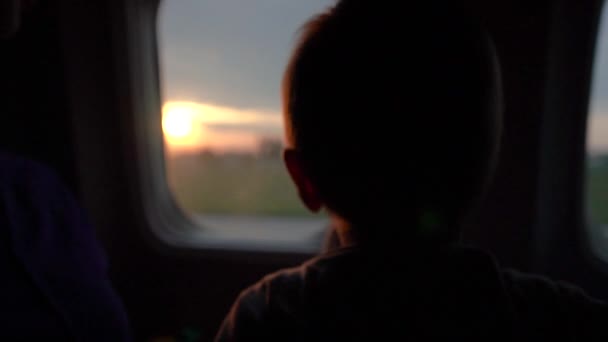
191, 126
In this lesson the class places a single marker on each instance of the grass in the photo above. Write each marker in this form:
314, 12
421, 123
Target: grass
243, 185
597, 190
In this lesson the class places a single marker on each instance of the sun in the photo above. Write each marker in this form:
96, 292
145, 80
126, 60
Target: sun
182, 125
178, 122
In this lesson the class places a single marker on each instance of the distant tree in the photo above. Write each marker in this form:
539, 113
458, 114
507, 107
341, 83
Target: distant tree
207, 153
270, 148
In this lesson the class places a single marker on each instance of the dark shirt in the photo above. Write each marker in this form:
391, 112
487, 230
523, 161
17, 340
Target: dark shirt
451, 293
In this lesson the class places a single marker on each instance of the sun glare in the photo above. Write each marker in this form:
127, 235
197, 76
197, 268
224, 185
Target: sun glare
178, 122
182, 126
191, 126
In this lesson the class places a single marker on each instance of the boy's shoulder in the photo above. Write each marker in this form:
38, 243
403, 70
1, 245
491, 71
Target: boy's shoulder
289, 285
276, 303
542, 304
295, 287
333, 283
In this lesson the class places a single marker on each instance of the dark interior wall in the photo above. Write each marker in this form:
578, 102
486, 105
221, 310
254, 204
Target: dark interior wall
505, 221
534, 217
563, 243
35, 119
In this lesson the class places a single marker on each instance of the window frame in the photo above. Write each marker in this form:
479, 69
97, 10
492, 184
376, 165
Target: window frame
170, 226
602, 27
563, 247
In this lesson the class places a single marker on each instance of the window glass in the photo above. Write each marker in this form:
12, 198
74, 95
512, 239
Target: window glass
221, 68
597, 145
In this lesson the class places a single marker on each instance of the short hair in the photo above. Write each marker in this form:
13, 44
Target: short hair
394, 109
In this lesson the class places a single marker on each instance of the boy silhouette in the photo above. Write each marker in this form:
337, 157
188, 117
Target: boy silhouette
393, 118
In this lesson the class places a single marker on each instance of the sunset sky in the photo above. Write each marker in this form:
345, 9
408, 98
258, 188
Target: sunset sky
191, 126
222, 63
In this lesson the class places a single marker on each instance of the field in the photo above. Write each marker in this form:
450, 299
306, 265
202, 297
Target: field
248, 185
235, 184
597, 190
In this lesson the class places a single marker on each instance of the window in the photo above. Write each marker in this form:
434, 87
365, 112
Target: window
597, 146
221, 68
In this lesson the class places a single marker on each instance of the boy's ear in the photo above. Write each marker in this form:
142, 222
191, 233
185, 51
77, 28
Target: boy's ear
306, 189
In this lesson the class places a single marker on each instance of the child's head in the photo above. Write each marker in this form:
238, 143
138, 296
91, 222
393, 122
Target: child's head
392, 113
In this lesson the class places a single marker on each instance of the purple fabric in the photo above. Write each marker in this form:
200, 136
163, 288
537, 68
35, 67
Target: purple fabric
55, 264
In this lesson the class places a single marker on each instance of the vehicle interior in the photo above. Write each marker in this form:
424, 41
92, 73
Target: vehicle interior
163, 118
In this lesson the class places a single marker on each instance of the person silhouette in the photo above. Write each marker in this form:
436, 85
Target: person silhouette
393, 115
